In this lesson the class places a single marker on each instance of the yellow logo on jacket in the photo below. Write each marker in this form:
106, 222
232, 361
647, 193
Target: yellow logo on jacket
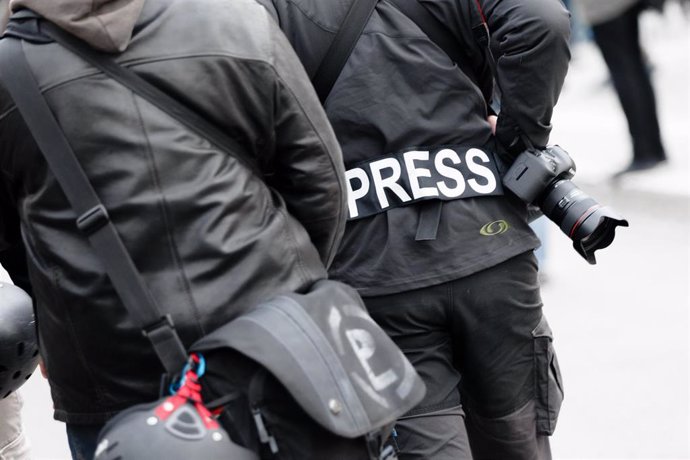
494, 228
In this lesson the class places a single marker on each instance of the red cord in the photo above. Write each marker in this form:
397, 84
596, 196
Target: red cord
189, 391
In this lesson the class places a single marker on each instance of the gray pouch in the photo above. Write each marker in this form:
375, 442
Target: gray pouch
337, 363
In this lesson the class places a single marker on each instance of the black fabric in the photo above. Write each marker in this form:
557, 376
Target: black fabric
619, 42
472, 342
438, 435
516, 433
429, 220
12, 252
438, 32
297, 436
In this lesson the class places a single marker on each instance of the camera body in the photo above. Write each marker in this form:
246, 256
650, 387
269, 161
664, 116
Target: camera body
534, 170
542, 178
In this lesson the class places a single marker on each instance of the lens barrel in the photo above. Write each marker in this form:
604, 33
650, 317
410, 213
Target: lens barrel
587, 223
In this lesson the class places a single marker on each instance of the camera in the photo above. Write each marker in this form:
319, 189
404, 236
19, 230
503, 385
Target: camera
542, 178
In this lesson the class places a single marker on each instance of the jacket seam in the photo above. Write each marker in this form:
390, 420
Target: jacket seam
314, 20
163, 207
99, 390
53, 281
90, 72
289, 236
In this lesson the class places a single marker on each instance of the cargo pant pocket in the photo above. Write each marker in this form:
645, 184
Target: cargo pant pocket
548, 383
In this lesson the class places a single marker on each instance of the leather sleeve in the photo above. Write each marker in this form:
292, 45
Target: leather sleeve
309, 172
14, 137
12, 254
530, 43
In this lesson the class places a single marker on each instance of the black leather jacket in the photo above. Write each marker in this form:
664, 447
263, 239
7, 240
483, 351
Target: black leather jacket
398, 91
210, 238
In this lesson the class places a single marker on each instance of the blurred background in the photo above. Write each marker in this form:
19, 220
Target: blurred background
621, 326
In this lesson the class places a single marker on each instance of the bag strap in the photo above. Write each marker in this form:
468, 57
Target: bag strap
344, 42
358, 15
153, 94
342, 45
93, 218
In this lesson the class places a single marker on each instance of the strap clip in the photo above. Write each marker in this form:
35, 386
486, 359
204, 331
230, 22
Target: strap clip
164, 322
93, 220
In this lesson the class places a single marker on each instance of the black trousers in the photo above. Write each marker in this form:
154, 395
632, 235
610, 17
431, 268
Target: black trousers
484, 350
619, 42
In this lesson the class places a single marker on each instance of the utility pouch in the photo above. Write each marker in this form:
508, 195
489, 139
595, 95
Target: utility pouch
332, 358
549, 389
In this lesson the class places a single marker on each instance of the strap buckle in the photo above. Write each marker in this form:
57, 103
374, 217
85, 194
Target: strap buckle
93, 220
164, 322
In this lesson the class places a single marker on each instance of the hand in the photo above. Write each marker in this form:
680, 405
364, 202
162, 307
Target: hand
493, 119
42, 366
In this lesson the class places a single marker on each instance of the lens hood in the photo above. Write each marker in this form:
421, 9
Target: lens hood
596, 230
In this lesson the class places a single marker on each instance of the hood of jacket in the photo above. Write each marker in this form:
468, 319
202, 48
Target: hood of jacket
105, 24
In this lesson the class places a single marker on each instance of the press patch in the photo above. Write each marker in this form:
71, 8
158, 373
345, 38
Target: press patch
443, 173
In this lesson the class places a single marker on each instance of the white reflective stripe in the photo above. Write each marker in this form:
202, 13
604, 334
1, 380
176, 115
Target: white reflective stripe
354, 195
450, 173
390, 182
478, 169
414, 173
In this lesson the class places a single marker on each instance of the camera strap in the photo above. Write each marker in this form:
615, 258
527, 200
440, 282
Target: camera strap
342, 45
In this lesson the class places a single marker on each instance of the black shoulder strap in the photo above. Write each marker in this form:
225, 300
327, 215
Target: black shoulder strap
347, 36
342, 45
93, 218
437, 31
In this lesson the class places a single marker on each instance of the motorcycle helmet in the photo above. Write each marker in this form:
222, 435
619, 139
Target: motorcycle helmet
18, 341
176, 427
139, 433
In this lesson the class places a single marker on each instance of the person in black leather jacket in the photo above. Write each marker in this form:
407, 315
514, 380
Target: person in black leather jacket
442, 256
210, 238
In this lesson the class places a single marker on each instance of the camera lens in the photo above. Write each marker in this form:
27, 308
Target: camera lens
590, 225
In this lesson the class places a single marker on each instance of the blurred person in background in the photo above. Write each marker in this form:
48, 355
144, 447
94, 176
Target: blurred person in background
13, 442
579, 30
615, 29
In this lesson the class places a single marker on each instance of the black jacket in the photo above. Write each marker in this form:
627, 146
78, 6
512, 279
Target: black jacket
398, 91
210, 238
